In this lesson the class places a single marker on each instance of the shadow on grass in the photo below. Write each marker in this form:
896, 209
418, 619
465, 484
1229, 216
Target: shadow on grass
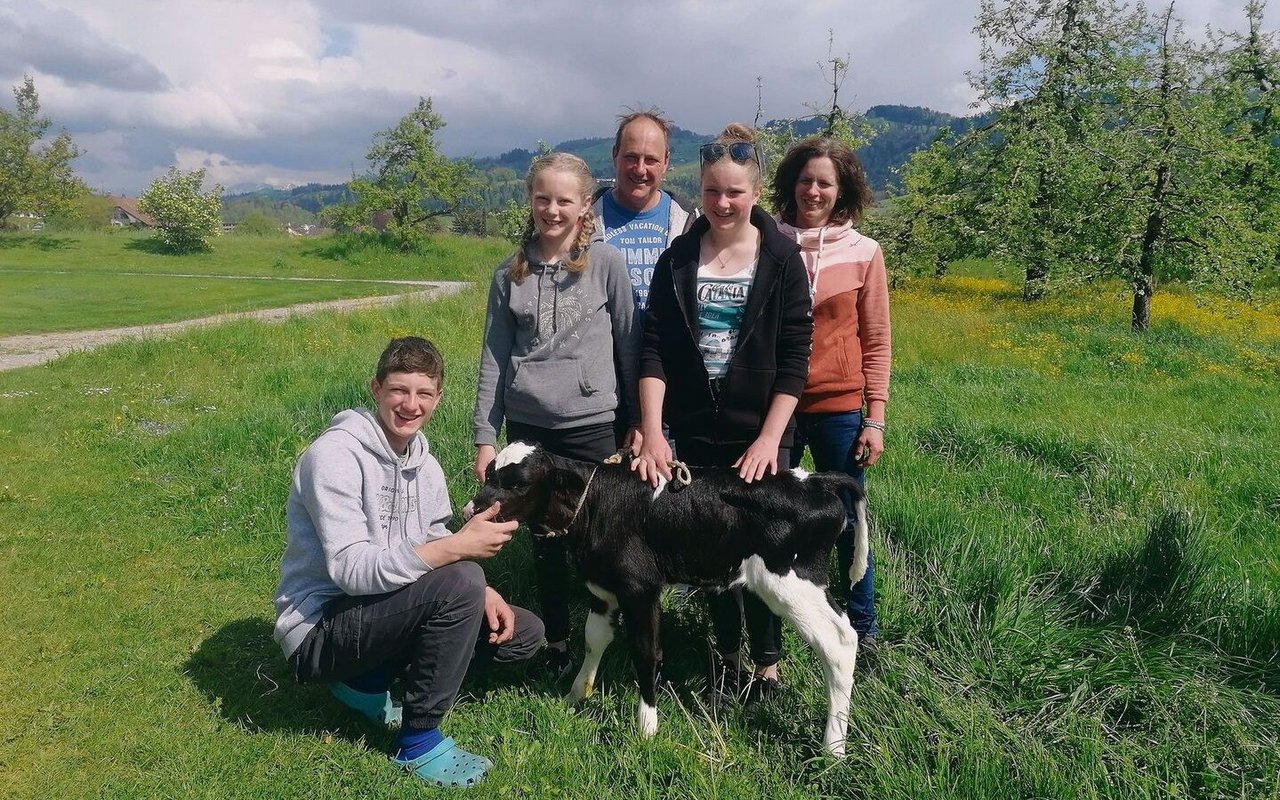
343, 246
1159, 589
1150, 587
242, 672
43, 242
153, 245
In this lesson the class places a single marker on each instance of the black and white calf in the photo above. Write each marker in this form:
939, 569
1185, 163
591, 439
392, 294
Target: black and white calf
773, 537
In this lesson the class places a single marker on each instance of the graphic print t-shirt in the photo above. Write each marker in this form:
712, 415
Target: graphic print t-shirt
721, 303
641, 237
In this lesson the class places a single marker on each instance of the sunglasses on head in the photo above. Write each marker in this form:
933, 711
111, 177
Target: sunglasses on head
740, 152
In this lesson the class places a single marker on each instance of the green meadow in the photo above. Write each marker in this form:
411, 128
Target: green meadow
1075, 531
83, 281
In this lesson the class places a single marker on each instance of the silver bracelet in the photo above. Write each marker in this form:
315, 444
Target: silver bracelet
871, 423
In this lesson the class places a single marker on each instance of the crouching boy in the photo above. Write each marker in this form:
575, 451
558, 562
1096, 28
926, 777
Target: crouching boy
374, 587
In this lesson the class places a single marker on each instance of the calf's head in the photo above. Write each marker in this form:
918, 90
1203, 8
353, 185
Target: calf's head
530, 485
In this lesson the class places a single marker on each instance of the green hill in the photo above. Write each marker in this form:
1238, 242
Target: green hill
899, 131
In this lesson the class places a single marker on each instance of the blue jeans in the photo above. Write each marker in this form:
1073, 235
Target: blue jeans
831, 439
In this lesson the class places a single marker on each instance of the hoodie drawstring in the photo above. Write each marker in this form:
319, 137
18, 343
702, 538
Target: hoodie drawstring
548, 272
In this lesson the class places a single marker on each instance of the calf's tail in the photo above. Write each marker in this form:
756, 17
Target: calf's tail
835, 482
860, 547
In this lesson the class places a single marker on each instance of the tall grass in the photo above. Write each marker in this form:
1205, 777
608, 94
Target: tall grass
1075, 533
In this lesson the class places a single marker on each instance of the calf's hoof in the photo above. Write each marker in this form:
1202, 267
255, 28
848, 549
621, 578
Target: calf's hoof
647, 719
579, 692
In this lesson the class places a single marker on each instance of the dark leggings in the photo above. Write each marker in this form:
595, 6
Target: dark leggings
728, 608
592, 443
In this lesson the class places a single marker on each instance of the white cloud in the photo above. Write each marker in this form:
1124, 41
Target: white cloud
230, 172
35, 36
292, 91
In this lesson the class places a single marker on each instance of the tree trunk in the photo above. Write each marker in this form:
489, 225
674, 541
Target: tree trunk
1143, 287
1036, 280
1145, 281
940, 265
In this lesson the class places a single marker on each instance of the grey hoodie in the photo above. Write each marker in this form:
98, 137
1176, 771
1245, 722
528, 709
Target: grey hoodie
355, 512
558, 345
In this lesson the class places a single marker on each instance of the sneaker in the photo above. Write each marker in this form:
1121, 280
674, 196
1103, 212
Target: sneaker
555, 665
761, 689
725, 682
867, 644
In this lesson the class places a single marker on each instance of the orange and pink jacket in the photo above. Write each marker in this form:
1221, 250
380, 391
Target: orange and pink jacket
851, 342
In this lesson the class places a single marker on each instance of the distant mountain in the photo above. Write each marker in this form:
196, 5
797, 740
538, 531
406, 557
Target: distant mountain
297, 205
597, 151
900, 131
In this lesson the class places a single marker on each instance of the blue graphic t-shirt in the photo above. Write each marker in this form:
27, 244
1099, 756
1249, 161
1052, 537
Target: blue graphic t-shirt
721, 303
641, 237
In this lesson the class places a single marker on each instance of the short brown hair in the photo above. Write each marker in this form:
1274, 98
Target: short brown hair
855, 194
654, 115
411, 354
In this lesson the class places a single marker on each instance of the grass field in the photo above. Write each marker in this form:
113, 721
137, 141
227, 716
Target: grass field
1075, 531
63, 282
444, 258
43, 303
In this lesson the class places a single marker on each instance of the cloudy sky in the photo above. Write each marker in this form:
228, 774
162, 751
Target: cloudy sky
283, 92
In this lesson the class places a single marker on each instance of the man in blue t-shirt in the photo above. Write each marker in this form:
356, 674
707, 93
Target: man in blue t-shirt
636, 216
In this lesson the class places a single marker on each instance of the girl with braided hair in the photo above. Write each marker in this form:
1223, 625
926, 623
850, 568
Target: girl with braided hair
561, 346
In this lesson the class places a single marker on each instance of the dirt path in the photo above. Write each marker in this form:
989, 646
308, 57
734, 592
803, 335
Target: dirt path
39, 348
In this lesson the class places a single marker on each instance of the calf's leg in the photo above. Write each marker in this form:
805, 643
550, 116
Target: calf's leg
641, 616
599, 634
804, 604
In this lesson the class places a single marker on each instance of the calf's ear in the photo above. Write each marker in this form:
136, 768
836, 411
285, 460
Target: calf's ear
566, 487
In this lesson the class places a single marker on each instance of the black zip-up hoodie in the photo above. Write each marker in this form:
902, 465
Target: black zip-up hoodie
772, 354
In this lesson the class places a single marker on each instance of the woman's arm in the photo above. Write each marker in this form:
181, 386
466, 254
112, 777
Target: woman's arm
621, 304
874, 336
762, 455
659, 315
795, 342
875, 340
495, 358
795, 330
655, 453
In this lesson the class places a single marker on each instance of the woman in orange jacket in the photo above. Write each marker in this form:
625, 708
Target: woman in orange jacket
821, 190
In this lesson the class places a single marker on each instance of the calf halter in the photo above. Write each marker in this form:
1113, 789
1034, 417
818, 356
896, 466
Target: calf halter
681, 475
550, 534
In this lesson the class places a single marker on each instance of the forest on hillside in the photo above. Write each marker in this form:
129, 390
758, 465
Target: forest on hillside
896, 132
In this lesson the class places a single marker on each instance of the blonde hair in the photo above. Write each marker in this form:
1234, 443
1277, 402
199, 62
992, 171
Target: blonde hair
559, 162
736, 132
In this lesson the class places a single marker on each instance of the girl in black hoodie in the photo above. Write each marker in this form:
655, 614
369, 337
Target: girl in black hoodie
725, 357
